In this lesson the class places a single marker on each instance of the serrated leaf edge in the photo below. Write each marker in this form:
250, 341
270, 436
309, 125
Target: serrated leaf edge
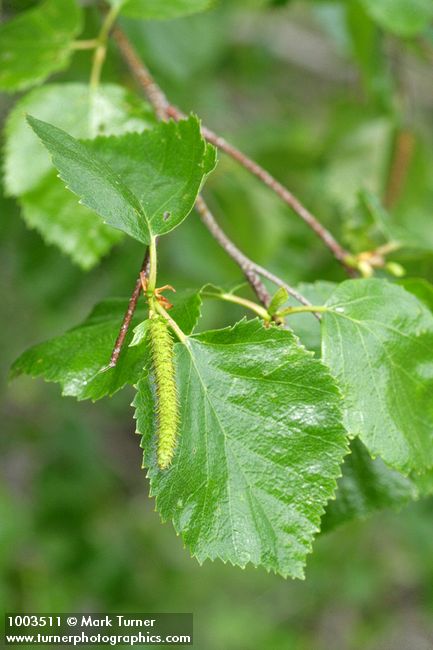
315, 521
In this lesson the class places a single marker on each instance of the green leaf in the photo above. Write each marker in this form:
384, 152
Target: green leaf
210, 290
411, 214
139, 333
378, 343
423, 483
366, 43
73, 228
278, 299
155, 9
369, 225
260, 446
186, 310
181, 50
306, 326
366, 486
29, 173
76, 358
111, 110
144, 184
402, 17
37, 43
420, 288
352, 162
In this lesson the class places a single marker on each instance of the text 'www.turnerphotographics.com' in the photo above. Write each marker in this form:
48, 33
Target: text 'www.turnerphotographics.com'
78, 629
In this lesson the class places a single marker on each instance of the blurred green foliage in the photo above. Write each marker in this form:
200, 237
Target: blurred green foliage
319, 93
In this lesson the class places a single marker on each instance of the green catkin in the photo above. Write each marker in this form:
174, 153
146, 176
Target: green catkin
165, 381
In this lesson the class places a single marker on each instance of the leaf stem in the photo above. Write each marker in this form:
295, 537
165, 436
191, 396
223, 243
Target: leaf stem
315, 309
244, 302
88, 44
157, 307
153, 265
101, 47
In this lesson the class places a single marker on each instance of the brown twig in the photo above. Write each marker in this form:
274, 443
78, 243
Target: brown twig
132, 304
251, 270
156, 97
249, 267
245, 264
337, 250
163, 110
258, 287
163, 107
